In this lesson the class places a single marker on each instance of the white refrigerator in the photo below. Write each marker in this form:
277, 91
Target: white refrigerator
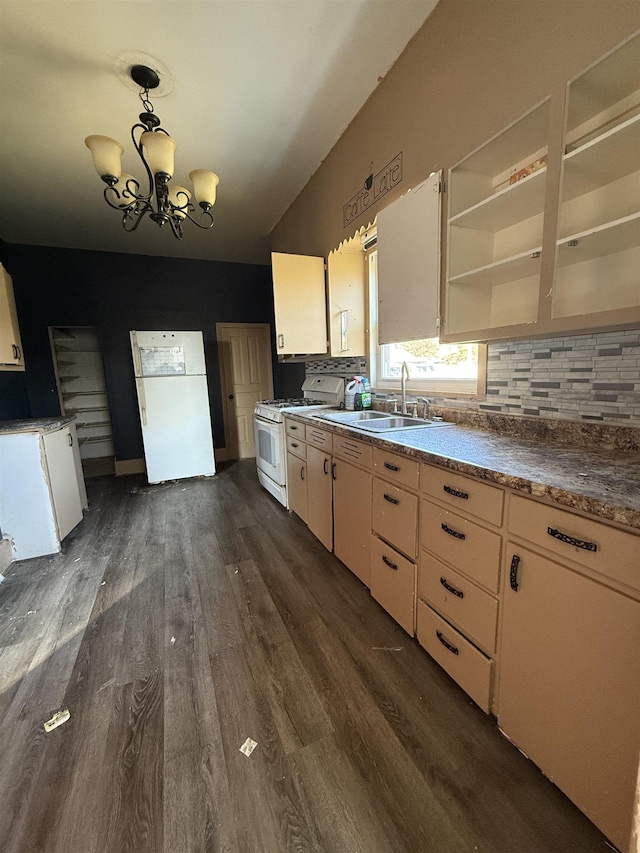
173, 401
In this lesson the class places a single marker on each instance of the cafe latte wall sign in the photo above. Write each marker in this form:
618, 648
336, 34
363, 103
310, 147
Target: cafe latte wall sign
374, 188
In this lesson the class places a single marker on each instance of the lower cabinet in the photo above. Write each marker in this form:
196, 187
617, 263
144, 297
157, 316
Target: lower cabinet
352, 518
393, 583
43, 492
297, 485
455, 654
569, 693
320, 495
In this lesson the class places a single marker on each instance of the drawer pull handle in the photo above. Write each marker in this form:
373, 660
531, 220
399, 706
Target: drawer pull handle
302, 473
16, 351
281, 341
292, 426
294, 444
513, 573
391, 467
451, 531
391, 565
447, 644
390, 499
456, 494
571, 540
451, 589
325, 466
333, 470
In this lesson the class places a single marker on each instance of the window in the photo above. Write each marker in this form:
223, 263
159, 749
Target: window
444, 370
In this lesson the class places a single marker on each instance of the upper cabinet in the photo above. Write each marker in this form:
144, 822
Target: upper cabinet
497, 203
347, 290
409, 265
11, 356
303, 305
597, 278
299, 304
496, 219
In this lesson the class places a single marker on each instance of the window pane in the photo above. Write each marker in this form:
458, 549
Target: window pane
429, 359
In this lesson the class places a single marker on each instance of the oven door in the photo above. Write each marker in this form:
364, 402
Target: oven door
270, 457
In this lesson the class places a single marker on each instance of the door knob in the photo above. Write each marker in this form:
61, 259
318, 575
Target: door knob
231, 396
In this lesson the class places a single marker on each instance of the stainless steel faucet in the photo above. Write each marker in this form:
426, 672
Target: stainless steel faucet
404, 375
427, 403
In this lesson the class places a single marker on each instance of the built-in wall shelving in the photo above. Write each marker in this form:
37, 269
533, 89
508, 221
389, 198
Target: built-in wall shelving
82, 388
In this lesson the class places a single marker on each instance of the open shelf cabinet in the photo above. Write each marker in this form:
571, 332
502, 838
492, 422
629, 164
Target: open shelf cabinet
495, 226
597, 273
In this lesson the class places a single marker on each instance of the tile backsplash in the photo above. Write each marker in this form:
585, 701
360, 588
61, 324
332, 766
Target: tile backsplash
586, 378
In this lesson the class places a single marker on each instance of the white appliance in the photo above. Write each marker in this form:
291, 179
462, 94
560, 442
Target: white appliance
319, 392
173, 399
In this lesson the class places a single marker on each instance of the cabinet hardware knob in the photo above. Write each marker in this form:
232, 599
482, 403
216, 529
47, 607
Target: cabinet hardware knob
302, 473
281, 341
231, 396
390, 499
452, 532
391, 467
447, 644
451, 589
333, 470
70, 440
325, 466
513, 573
571, 540
455, 493
294, 444
391, 565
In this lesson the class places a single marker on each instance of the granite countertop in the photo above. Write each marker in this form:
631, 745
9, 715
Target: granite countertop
36, 424
604, 483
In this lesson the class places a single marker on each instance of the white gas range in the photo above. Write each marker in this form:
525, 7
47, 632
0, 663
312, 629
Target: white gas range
319, 392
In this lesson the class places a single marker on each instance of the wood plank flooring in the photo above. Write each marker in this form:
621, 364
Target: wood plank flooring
185, 617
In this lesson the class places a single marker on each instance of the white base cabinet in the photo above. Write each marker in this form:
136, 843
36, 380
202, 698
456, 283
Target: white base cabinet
42, 491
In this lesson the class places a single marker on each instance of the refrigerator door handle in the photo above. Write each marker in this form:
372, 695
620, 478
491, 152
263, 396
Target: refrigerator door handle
137, 363
142, 398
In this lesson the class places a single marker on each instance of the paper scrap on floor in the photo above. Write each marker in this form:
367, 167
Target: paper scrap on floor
58, 719
248, 746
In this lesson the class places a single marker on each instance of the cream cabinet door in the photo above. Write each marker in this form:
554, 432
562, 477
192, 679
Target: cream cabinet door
569, 689
320, 495
63, 479
352, 518
347, 283
297, 485
299, 303
10, 343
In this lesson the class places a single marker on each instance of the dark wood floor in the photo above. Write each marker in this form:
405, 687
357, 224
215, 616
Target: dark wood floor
182, 619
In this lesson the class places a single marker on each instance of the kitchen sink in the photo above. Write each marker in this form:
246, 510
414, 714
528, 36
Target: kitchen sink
388, 424
351, 418
377, 421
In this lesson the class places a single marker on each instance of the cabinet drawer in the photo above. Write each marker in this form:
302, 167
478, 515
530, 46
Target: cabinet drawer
468, 547
395, 516
460, 658
295, 428
396, 469
319, 437
393, 583
354, 451
472, 610
464, 493
297, 447
603, 549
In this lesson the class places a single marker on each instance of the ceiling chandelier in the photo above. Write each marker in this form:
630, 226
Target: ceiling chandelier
164, 202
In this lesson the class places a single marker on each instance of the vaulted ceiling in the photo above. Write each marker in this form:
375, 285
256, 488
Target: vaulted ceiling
258, 91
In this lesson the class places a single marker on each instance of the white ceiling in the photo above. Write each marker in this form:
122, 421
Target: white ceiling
260, 92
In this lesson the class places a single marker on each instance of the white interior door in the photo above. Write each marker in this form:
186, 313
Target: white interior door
245, 356
176, 427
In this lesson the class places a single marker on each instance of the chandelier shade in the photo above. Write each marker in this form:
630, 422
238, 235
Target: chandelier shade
106, 153
164, 202
204, 186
